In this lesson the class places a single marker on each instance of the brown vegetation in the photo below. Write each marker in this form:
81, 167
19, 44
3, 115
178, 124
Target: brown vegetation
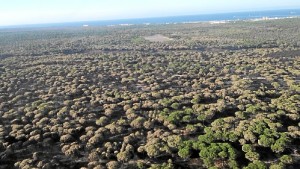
223, 96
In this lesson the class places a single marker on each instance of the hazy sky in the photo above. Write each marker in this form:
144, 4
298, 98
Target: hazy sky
15, 12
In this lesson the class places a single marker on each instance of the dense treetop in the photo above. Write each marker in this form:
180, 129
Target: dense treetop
211, 96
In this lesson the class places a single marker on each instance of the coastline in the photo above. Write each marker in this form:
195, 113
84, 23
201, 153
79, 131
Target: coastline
220, 18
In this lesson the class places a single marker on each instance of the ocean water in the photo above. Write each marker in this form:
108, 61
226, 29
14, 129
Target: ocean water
177, 19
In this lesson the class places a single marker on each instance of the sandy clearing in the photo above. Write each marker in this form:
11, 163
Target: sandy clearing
158, 38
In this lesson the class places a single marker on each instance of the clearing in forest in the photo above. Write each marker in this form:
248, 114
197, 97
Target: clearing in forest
157, 38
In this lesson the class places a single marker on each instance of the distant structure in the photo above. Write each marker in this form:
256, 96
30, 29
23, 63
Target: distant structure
85, 25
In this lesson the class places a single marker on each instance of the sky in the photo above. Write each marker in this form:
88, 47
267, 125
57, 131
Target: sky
20, 12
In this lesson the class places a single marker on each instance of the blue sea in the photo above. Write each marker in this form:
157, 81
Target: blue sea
177, 19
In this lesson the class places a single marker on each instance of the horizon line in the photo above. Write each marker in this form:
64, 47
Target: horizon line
44, 24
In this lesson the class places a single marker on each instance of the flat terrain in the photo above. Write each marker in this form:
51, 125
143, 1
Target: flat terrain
157, 38
195, 95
